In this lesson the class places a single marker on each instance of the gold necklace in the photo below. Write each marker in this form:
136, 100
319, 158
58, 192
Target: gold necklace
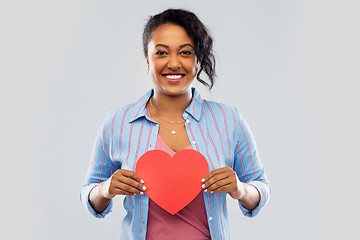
173, 131
158, 114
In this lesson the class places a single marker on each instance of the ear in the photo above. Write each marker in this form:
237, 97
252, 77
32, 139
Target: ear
197, 66
147, 63
147, 59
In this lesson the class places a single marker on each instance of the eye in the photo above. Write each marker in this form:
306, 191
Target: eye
161, 53
186, 53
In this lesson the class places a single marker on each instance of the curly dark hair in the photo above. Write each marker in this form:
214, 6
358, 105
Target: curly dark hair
197, 32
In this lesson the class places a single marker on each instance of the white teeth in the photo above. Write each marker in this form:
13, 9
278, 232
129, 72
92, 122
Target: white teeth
173, 76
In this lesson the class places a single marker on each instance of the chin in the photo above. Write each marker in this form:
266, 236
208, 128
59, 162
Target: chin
175, 91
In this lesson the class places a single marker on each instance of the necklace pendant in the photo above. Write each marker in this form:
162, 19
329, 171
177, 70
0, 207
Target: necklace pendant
173, 132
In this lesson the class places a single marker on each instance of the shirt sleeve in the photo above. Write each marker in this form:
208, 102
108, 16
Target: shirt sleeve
247, 165
101, 167
84, 196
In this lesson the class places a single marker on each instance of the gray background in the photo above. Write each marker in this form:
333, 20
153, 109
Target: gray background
291, 67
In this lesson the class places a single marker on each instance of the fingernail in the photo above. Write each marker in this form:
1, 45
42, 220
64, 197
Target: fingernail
144, 188
141, 193
142, 181
203, 186
205, 190
203, 180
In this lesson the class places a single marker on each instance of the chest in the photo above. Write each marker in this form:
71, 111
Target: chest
128, 143
174, 136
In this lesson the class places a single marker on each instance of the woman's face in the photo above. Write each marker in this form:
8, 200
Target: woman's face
171, 60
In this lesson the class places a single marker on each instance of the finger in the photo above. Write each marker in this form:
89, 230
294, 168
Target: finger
218, 184
129, 189
132, 175
226, 188
119, 191
214, 179
215, 172
131, 182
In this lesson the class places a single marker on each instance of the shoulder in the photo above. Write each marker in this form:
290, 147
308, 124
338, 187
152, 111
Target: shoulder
217, 108
130, 111
125, 109
225, 115
124, 114
115, 113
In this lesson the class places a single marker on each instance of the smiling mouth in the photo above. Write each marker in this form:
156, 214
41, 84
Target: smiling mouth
173, 76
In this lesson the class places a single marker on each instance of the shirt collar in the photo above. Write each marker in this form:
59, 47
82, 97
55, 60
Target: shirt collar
139, 107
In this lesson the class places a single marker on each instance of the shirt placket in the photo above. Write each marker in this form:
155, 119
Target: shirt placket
206, 196
145, 199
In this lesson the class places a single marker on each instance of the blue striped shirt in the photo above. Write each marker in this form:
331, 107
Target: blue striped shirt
216, 130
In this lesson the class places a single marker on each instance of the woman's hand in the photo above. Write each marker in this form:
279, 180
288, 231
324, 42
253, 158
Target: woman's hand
223, 180
122, 182
226, 180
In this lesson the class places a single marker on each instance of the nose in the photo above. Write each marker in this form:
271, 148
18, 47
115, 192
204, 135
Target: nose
174, 63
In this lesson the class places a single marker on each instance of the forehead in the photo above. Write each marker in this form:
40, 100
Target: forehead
170, 34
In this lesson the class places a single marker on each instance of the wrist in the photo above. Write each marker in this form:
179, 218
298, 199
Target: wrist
103, 190
240, 192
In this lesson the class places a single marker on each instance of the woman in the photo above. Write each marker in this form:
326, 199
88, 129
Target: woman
172, 117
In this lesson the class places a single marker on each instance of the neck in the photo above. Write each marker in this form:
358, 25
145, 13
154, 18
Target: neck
171, 105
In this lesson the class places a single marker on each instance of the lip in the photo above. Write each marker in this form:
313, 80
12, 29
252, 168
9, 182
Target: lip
173, 81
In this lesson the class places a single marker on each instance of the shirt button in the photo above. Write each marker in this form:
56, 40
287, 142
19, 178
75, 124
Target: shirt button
185, 115
187, 120
210, 218
193, 142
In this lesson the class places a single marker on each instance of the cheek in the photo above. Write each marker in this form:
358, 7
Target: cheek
188, 63
192, 67
156, 66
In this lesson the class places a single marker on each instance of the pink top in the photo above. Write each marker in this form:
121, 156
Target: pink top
188, 223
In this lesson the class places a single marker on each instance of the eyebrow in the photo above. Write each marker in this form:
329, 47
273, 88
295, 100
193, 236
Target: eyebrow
184, 45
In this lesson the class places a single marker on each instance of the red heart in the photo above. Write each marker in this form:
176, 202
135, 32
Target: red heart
172, 183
